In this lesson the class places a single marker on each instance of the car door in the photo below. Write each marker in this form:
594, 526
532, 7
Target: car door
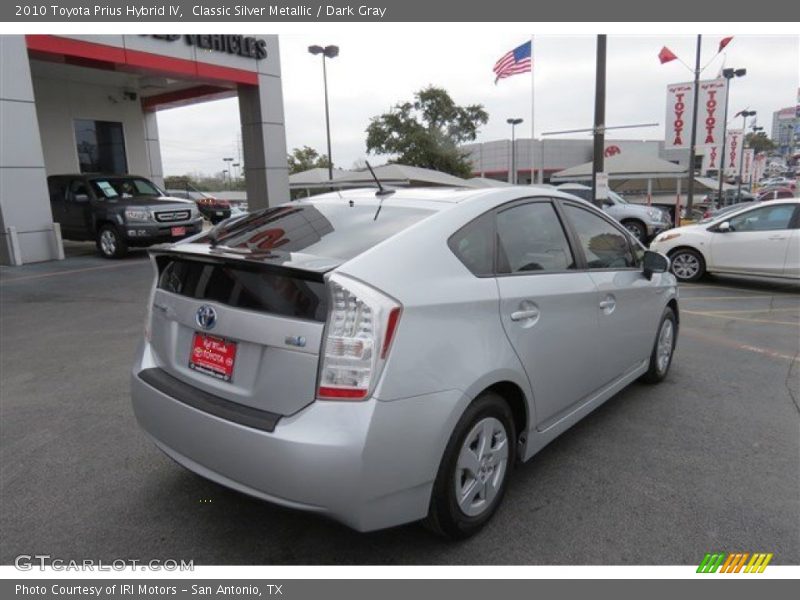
756, 242
548, 307
77, 208
791, 266
626, 304
57, 187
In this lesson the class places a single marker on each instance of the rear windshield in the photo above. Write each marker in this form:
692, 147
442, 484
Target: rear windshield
245, 286
332, 230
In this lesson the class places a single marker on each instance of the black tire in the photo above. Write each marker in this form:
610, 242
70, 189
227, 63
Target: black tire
637, 229
658, 370
682, 261
110, 243
445, 516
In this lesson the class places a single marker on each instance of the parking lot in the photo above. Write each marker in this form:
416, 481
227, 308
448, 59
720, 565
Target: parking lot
708, 460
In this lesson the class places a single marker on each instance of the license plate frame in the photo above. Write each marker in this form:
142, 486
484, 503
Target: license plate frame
213, 356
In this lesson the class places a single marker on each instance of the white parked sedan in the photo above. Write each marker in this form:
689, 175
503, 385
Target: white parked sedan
760, 240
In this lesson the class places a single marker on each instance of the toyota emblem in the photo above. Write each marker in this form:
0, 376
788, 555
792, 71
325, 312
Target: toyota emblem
206, 317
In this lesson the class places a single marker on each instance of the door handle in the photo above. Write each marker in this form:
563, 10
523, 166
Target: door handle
777, 237
608, 304
524, 315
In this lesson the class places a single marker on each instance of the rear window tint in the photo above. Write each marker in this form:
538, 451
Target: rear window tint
332, 230
473, 244
245, 286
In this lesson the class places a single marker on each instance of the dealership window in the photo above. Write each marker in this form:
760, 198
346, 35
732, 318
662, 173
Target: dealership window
101, 146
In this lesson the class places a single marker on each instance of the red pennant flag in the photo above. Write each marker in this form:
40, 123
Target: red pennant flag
666, 55
724, 42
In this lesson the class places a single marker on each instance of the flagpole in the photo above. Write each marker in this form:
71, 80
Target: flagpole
533, 126
693, 141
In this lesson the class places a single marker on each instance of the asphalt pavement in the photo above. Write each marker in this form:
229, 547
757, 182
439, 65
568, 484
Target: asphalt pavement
706, 461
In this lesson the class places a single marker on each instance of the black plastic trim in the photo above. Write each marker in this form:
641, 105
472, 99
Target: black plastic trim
208, 403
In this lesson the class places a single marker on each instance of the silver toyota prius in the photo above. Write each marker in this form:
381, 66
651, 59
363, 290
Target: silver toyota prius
387, 357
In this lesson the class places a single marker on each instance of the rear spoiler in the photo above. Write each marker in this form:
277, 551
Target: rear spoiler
294, 264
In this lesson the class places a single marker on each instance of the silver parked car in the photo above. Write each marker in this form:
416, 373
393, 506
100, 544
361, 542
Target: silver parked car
644, 222
386, 358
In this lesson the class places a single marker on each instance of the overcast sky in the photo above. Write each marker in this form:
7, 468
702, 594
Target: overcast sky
375, 71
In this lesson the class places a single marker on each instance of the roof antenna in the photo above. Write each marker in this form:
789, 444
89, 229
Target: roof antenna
381, 193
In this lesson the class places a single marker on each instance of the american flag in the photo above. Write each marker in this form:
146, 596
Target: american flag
516, 61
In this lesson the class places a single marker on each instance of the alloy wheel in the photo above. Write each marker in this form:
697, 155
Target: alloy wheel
108, 242
685, 265
481, 467
666, 337
635, 230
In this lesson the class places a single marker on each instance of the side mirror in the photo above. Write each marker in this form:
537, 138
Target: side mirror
654, 262
724, 227
80, 198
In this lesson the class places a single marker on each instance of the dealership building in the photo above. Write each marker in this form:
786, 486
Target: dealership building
72, 104
544, 157
786, 129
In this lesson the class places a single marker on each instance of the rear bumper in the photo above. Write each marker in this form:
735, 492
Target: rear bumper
653, 229
369, 465
214, 214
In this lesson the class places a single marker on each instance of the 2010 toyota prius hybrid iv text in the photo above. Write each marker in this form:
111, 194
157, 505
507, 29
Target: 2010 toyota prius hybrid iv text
385, 358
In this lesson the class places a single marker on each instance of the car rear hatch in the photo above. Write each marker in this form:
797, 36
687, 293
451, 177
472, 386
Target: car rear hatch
240, 313
246, 332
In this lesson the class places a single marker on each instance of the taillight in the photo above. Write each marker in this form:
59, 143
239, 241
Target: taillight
358, 335
148, 317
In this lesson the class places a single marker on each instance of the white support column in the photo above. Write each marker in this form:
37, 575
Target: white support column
153, 148
264, 136
26, 221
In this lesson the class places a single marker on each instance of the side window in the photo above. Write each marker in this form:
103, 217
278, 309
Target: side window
638, 253
77, 187
766, 218
604, 246
473, 244
530, 238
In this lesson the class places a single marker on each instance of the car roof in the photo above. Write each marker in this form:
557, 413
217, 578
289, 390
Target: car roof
442, 195
573, 186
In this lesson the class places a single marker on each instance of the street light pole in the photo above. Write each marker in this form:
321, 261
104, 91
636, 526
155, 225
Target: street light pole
599, 114
326, 52
514, 123
744, 114
228, 161
728, 74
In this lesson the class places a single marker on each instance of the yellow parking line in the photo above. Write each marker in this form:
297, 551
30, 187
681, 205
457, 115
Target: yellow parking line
722, 316
692, 286
683, 298
733, 344
761, 310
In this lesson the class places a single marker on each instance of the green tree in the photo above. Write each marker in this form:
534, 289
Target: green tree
305, 158
758, 141
427, 132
